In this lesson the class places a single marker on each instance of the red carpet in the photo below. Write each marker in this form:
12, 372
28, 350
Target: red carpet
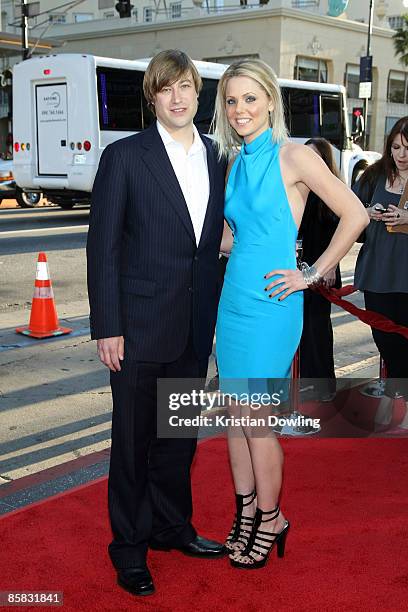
347, 550
351, 415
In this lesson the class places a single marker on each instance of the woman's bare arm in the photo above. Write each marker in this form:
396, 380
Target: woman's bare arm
309, 172
313, 172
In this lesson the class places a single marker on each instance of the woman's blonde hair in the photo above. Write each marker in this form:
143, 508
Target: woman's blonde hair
225, 136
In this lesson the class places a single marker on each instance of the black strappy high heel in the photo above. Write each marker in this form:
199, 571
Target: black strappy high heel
242, 525
261, 542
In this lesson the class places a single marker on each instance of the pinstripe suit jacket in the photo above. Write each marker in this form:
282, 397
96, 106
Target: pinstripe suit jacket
147, 279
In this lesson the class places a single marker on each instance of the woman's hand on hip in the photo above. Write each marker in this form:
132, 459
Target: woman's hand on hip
288, 282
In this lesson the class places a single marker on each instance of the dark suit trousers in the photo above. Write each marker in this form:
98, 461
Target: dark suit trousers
149, 488
393, 348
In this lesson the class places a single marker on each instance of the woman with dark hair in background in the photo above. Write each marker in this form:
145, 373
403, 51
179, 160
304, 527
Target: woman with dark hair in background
316, 231
382, 264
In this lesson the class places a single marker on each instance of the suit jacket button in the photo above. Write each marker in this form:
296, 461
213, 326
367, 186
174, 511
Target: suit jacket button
195, 258
191, 290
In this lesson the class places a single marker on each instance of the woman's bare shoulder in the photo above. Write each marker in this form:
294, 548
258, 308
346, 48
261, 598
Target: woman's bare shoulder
293, 151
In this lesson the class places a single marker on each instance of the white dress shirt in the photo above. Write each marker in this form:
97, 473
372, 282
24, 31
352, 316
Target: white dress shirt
191, 170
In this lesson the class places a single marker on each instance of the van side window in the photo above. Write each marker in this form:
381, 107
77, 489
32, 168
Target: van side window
120, 99
206, 104
311, 114
122, 106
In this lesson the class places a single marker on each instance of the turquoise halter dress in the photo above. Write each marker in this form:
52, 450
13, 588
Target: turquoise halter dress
257, 336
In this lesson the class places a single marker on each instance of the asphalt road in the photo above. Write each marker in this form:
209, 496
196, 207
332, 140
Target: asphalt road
26, 232
54, 395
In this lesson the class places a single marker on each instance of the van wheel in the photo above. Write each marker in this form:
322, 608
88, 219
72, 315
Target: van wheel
66, 205
28, 199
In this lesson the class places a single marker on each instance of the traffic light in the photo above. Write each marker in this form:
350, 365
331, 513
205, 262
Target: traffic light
124, 8
357, 120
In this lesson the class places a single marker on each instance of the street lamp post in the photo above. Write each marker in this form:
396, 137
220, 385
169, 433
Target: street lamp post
24, 29
369, 35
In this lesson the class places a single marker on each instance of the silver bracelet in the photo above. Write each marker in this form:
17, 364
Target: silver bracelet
310, 275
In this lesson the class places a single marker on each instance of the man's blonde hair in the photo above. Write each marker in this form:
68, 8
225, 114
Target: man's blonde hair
166, 68
226, 137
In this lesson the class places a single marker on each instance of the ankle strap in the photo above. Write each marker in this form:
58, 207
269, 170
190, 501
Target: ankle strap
252, 496
241, 498
262, 513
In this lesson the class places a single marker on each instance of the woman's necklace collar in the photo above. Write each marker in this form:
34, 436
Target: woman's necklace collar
402, 182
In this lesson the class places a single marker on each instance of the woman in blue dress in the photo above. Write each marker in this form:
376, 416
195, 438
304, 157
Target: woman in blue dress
260, 313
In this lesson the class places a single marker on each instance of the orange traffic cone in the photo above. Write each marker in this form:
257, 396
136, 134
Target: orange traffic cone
43, 319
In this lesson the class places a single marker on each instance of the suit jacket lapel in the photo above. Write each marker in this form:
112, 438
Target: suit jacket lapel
211, 163
159, 164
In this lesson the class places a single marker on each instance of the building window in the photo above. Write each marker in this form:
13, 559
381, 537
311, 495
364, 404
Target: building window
106, 4
58, 18
352, 80
4, 21
148, 14
80, 17
175, 10
305, 4
4, 104
396, 22
307, 69
389, 124
228, 59
397, 87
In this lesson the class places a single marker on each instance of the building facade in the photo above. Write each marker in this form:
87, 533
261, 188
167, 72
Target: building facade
387, 13
298, 38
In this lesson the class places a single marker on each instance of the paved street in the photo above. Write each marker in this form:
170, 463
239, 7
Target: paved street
54, 394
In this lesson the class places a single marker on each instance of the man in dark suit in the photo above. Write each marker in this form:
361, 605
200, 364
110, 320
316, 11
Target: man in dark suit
154, 234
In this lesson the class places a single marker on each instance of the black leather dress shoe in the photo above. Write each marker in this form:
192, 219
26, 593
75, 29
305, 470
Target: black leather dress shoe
199, 547
136, 580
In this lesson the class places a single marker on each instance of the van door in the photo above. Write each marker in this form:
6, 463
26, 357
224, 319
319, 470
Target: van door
52, 129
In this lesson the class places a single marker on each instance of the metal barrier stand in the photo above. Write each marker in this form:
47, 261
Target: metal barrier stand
293, 426
376, 388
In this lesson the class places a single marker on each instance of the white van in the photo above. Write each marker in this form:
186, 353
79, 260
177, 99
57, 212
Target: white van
68, 107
